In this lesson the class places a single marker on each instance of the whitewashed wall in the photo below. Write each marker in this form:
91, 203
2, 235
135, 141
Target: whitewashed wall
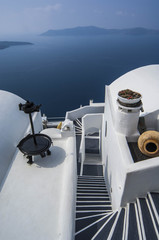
115, 168
152, 120
128, 180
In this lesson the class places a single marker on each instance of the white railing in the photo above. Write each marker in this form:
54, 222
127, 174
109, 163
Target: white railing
82, 153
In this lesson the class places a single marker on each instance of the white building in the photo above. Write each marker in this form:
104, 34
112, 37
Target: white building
117, 190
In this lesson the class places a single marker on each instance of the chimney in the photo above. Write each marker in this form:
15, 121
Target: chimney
127, 115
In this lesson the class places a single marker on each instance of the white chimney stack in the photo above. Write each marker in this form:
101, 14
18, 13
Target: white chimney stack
127, 115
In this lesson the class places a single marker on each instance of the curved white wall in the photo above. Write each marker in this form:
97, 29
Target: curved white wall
13, 126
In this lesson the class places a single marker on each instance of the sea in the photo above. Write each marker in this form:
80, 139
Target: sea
63, 73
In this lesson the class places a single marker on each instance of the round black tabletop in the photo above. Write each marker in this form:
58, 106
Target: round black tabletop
28, 147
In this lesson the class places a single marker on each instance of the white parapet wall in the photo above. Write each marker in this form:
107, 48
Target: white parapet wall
152, 120
141, 178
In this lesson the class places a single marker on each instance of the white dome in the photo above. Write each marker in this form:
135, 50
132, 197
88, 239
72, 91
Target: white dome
14, 124
144, 80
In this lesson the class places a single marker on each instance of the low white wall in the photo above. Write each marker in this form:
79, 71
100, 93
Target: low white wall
13, 126
82, 148
68, 204
152, 120
141, 178
80, 112
92, 121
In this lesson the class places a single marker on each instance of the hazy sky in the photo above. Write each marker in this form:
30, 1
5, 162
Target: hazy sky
37, 16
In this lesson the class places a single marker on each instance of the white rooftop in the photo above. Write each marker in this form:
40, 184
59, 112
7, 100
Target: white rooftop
37, 201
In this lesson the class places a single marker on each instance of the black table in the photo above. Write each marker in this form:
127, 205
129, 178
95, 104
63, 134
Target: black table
33, 144
37, 144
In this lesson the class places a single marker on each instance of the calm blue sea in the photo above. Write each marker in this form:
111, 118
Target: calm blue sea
63, 73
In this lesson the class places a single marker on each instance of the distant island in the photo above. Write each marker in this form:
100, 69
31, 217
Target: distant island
94, 31
6, 44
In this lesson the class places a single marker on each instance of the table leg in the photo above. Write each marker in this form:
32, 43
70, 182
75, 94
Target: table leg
48, 152
30, 160
43, 154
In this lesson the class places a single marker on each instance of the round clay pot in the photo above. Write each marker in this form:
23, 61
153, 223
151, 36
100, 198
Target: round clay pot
148, 143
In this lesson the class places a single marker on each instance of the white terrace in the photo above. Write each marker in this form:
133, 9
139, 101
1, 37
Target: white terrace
36, 201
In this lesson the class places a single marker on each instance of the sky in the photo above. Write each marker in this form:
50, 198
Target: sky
38, 16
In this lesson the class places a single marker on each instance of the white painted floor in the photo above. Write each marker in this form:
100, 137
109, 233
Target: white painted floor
33, 199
